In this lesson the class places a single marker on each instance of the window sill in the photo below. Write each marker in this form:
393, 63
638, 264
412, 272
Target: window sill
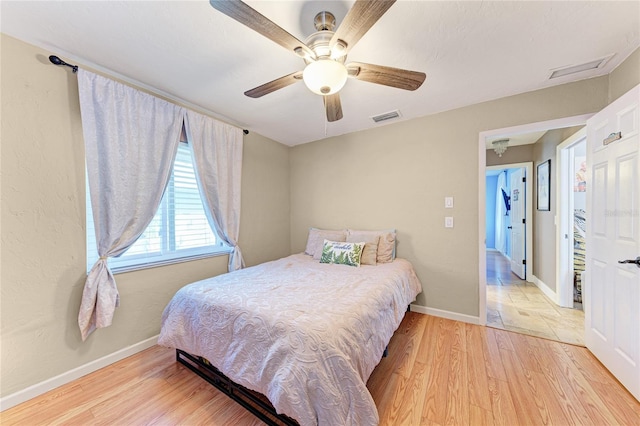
122, 269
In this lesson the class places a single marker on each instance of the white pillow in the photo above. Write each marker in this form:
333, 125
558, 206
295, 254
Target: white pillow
386, 244
316, 238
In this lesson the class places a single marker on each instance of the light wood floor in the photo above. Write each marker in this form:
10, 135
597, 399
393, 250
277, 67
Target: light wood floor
438, 372
517, 305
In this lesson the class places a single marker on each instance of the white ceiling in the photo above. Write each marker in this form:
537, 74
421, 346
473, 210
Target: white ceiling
471, 51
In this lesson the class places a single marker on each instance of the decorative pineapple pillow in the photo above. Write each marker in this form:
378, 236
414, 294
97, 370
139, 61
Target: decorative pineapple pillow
341, 253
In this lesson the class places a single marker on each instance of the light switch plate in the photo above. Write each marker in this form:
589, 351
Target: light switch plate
448, 202
448, 222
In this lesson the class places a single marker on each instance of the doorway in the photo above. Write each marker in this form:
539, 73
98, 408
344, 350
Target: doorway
508, 205
539, 297
570, 233
515, 301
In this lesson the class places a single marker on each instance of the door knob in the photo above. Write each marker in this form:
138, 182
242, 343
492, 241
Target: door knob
509, 227
636, 261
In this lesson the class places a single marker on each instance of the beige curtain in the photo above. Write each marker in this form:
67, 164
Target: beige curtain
131, 139
217, 154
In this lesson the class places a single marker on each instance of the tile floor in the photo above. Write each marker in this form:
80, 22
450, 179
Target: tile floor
517, 305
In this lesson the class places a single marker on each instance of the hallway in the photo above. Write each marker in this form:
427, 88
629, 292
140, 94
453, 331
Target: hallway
517, 305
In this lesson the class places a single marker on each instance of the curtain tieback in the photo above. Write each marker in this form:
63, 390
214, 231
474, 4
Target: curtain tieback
104, 258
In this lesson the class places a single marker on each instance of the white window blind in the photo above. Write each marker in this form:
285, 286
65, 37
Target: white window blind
179, 231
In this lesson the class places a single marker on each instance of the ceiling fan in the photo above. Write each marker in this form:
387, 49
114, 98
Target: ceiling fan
325, 51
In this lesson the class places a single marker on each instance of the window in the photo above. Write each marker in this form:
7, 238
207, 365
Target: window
179, 230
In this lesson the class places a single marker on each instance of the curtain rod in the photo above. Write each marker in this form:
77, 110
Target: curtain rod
57, 61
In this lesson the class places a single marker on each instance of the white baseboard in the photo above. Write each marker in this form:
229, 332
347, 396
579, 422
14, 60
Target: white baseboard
71, 375
445, 314
546, 289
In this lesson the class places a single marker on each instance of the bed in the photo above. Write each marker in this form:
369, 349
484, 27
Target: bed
305, 334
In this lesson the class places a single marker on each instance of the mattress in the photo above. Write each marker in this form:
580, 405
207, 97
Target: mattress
305, 334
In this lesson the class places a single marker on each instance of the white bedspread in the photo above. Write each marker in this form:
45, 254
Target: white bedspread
305, 334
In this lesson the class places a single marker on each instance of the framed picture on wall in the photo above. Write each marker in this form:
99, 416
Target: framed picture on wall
543, 187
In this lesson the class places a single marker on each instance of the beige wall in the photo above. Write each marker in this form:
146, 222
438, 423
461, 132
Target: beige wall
264, 220
625, 77
544, 229
43, 228
513, 155
398, 175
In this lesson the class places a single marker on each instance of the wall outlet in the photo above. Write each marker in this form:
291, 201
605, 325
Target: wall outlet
448, 222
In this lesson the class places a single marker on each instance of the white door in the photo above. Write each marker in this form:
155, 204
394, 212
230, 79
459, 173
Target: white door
517, 223
612, 290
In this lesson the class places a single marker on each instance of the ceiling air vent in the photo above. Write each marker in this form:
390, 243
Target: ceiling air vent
386, 116
573, 69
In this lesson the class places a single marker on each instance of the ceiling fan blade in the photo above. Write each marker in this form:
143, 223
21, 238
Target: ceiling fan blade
253, 19
274, 85
388, 76
359, 19
333, 107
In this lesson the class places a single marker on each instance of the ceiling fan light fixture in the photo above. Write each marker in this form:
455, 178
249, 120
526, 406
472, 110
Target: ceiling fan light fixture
325, 76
